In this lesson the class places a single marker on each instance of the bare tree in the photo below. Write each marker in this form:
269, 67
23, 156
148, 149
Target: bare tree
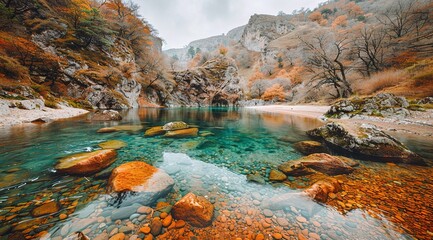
399, 18
325, 60
370, 49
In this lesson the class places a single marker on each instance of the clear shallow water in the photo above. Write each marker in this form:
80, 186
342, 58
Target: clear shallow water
241, 142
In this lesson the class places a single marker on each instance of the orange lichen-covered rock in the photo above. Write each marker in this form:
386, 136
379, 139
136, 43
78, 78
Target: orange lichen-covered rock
189, 132
139, 177
154, 131
86, 163
196, 210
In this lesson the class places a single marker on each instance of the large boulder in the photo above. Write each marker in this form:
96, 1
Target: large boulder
196, 210
86, 163
149, 182
365, 141
321, 162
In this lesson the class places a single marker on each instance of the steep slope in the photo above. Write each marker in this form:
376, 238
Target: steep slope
76, 52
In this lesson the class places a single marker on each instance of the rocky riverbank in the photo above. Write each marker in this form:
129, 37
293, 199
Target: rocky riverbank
28, 111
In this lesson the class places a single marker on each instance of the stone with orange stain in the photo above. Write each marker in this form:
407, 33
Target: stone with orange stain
86, 163
196, 210
320, 190
119, 236
152, 183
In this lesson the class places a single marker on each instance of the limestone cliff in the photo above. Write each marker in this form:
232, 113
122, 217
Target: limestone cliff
262, 29
214, 83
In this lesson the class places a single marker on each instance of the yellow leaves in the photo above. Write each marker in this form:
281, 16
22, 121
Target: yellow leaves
340, 21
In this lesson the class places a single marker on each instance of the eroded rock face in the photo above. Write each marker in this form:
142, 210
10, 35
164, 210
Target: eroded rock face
148, 182
321, 162
215, 83
365, 141
262, 29
196, 210
86, 163
130, 89
103, 98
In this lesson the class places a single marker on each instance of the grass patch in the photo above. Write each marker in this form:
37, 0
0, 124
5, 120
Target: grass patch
380, 81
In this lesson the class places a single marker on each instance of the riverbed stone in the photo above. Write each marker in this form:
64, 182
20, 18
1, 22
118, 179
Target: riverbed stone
86, 163
196, 210
151, 183
47, 208
112, 144
107, 115
154, 131
124, 212
188, 132
277, 176
309, 147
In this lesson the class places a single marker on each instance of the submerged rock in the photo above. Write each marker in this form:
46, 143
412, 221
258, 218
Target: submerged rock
175, 126
47, 208
154, 131
151, 183
367, 141
196, 210
107, 115
132, 128
86, 163
256, 178
320, 190
309, 147
321, 162
188, 132
107, 130
112, 144
277, 176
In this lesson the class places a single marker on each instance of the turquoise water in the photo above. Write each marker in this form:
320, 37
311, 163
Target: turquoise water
237, 142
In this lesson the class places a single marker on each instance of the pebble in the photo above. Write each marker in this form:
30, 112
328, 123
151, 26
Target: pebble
248, 221
125, 229
180, 224
155, 227
314, 235
268, 213
118, 236
133, 216
163, 215
63, 216
260, 237
256, 202
167, 221
277, 236
114, 231
145, 229
144, 210
102, 236
282, 222
301, 219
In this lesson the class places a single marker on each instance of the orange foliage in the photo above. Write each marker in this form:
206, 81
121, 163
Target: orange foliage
223, 50
340, 21
194, 62
353, 9
257, 75
316, 17
275, 92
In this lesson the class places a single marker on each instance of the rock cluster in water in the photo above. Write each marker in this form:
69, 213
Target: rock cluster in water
365, 141
173, 130
86, 163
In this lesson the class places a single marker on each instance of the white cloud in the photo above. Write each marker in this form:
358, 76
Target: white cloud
181, 21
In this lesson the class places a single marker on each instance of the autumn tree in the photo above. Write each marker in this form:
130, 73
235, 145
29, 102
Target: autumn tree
94, 30
275, 93
340, 21
325, 59
399, 18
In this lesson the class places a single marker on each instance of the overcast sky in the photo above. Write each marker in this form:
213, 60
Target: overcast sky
180, 22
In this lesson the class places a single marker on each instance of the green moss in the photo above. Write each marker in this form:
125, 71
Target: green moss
376, 113
416, 107
78, 103
51, 104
